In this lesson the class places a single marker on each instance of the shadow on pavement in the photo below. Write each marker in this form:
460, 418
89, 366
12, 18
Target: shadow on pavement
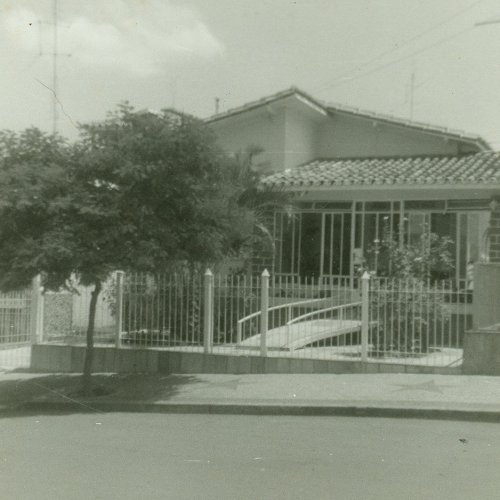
23, 394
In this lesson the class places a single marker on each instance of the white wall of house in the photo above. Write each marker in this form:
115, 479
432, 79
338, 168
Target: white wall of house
265, 129
346, 135
302, 138
292, 133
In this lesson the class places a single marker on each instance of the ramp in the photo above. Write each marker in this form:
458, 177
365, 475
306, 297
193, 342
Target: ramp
297, 335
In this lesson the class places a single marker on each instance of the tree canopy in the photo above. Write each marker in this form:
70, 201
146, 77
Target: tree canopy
138, 191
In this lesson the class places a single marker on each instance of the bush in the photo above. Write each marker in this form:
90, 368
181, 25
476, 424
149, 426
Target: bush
408, 307
407, 315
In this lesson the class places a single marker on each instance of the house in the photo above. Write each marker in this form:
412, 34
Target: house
357, 176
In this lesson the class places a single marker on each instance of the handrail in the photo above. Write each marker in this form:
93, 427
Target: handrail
274, 308
313, 313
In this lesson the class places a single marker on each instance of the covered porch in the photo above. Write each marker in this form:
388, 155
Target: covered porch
343, 210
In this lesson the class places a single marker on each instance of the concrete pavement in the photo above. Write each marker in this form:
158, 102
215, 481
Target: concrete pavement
406, 395
84, 456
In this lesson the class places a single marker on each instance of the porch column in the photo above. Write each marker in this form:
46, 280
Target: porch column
494, 231
486, 301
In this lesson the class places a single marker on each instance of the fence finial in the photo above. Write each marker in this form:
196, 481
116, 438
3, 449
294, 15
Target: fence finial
208, 272
366, 275
265, 273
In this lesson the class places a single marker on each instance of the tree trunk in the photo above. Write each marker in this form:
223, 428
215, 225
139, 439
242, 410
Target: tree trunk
89, 352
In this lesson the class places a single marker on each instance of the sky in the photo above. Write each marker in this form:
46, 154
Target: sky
426, 60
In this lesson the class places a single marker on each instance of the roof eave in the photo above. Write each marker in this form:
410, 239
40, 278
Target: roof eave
382, 187
302, 96
429, 129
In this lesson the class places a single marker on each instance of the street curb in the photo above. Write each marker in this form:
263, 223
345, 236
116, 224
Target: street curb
252, 409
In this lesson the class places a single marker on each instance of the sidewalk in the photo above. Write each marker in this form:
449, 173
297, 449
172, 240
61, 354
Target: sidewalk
394, 395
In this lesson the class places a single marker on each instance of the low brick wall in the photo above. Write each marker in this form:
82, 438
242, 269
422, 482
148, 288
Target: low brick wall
59, 358
482, 351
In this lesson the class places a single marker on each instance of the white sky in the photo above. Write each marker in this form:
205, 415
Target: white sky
159, 53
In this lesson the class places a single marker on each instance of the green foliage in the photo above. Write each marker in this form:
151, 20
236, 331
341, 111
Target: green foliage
34, 186
138, 191
407, 314
253, 204
408, 307
429, 258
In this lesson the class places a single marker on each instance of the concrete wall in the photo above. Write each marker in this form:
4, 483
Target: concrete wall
482, 343
351, 136
482, 352
265, 130
301, 138
292, 134
486, 301
59, 358
81, 303
291, 137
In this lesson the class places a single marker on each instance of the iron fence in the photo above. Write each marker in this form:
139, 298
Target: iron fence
417, 322
369, 319
15, 317
15, 329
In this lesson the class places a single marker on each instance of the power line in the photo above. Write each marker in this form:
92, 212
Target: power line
399, 46
395, 61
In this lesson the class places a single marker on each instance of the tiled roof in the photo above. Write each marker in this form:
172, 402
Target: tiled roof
478, 168
340, 108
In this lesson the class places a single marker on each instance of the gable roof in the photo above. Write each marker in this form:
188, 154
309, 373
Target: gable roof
333, 109
472, 169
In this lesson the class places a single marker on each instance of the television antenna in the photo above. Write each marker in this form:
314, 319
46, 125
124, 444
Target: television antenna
55, 54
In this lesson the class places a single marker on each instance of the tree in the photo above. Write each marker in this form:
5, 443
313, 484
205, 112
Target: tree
138, 191
255, 205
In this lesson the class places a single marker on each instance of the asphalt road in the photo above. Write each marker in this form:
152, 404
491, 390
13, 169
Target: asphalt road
152, 456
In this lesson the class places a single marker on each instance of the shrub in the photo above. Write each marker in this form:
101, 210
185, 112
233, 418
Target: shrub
408, 307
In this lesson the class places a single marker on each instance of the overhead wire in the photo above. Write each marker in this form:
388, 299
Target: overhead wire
396, 61
346, 76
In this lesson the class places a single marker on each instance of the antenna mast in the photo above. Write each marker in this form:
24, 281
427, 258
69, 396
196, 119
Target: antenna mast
412, 90
54, 67
55, 56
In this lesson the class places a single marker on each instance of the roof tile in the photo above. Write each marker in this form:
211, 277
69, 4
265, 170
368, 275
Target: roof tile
469, 169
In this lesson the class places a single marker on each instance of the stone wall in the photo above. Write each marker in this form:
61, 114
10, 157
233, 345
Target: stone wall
57, 315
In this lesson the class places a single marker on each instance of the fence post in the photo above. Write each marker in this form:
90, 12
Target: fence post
264, 306
208, 312
289, 328
365, 314
119, 308
36, 311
